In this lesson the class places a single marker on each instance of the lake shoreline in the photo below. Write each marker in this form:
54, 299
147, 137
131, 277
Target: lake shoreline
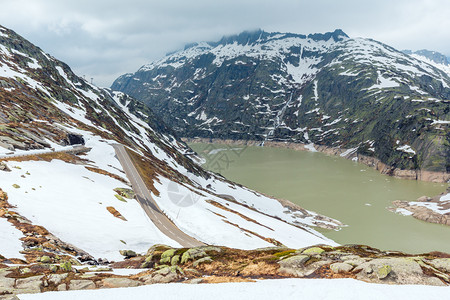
375, 163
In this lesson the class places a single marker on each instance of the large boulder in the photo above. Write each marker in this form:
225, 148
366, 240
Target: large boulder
396, 270
193, 254
82, 285
128, 253
30, 285
341, 267
119, 282
442, 264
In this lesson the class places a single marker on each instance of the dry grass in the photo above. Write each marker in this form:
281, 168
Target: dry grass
270, 240
103, 172
67, 157
218, 205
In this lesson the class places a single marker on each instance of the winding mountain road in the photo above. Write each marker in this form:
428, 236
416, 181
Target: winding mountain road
149, 205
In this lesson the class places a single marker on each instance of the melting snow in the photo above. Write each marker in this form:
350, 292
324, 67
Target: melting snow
407, 149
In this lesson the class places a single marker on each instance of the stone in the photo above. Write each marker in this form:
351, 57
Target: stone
66, 266
423, 199
211, 248
6, 284
395, 270
165, 275
355, 262
294, 264
29, 285
61, 287
313, 251
192, 254
383, 271
81, 285
119, 282
341, 267
45, 259
128, 253
9, 297
442, 264
194, 281
56, 279
157, 247
206, 259
4, 167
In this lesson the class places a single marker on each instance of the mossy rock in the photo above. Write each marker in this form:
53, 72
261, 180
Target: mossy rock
124, 192
192, 254
45, 259
284, 253
128, 253
120, 198
147, 262
157, 249
16, 186
384, 271
211, 248
66, 266
175, 260
313, 251
167, 255
202, 261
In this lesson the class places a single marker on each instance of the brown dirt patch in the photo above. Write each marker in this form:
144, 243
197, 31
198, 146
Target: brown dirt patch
115, 213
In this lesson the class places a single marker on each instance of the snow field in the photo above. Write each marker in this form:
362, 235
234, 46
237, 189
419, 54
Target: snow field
320, 289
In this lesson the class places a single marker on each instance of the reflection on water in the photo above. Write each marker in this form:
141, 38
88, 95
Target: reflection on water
350, 192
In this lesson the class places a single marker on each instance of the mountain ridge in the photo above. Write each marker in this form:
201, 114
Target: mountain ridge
285, 87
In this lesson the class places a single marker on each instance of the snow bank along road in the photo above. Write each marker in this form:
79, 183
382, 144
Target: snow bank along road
150, 207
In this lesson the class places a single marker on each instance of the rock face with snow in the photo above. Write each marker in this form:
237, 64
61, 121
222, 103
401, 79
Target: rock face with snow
327, 89
59, 170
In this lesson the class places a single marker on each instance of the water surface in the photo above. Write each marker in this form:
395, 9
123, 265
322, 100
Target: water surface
350, 192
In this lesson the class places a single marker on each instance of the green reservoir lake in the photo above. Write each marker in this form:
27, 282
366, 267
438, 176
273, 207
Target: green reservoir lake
336, 187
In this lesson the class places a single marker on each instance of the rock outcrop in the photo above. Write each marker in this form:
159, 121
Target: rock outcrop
432, 210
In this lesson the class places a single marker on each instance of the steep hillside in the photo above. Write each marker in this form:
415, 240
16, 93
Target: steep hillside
327, 89
66, 194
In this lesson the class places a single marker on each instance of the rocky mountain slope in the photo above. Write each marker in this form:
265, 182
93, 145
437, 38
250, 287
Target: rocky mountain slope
63, 192
327, 89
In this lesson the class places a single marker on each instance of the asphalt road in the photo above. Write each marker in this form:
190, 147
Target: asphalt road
149, 205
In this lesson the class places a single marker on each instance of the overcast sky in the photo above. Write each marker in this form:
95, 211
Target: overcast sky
104, 39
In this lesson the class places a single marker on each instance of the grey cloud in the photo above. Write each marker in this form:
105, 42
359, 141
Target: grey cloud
104, 39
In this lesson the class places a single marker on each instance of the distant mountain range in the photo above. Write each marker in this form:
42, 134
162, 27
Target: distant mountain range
434, 56
327, 89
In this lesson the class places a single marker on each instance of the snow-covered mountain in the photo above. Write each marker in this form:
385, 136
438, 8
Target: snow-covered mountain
327, 89
433, 58
81, 196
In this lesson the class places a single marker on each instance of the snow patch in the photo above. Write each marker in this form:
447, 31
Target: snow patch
10, 243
